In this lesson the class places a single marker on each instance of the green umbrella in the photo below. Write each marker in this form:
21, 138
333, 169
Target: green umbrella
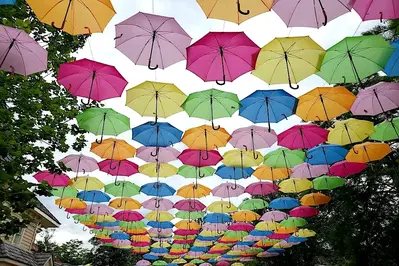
195, 172
255, 250
103, 121
102, 232
159, 263
355, 58
294, 222
386, 131
284, 158
236, 234
253, 204
64, 192
132, 225
197, 261
189, 215
83, 218
328, 182
107, 244
211, 104
122, 189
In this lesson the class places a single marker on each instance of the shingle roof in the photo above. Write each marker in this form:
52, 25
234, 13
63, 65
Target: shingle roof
41, 207
42, 258
22, 256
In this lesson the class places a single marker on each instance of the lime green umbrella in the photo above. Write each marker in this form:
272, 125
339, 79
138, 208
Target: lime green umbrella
197, 261
211, 104
236, 234
284, 158
189, 215
253, 204
86, 218
355, 58
132, 225
103, 121
64, 192
122, 189
294, 222
159, 263
328, 182
387, 130
102, 232
188, 171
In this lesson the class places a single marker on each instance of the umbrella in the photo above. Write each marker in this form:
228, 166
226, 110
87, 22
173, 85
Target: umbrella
269, 106
143, 263
200, 158
159, 263
265, 172
222, 56
314, 14
53, 179
222, 207
315, 199
159, 216
288, 60
127, 204
8, 2
156, 135
158, 204
122, 189
148, 256
211, 104
253, 138
71, 203
158, 170
93, 196
155, 99
165, 154
373, 10
212, 227
295, 185
103, 121
368, 152
377, 99
345, 168
304, 233
217, 218
261, 188
267, 226
253, 204
387, 130
67, 192
350, 131
274, 216
87, 183
355, 58
233, 10
92, 80
328, 182
294, 222
296, 240
284, 203
157, 189
20, 53
122, 168
179, 261
391, 68
193, 191
302, 137
194, 215
113, 149
324, 104
80, 163
326, 154
128, 216
99, 209
189, 205
152, 40
188, 171
305, 170
241, 226
235, 173
120, 235
242, 159
188, 225
227, 190
284, 158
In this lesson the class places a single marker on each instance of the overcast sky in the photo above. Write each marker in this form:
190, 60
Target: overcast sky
260, 29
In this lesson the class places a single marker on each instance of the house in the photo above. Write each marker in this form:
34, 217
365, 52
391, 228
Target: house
17, 250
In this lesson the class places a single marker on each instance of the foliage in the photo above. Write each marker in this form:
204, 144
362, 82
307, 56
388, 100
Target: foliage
104, 256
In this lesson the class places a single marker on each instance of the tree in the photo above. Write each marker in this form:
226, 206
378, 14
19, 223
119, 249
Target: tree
35, 115
104, 255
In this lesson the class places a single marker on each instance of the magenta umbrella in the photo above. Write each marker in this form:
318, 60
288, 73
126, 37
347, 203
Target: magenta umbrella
128, 216
99, 209
377, 99
310, 13
159, 204
19, 53
227, 190
162, 154
241, 226
377, 9
222, 263
76, 211
118, 168
143, 263
214, 227
345, 168
53, 179
279, 236
80, 163
261, 188
222, 56
275, 216
304, 211
302, 137
253, 138
190, 205
182, 232
91, 80
196, 158
305, 170
152, 40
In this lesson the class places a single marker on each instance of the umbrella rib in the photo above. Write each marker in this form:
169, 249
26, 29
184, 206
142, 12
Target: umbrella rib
142, 50
131, 38
91, 12
160, 52
300, 58
51, 9
163, 37
203, 55
233, 54
368, 60
23, 61
293, 11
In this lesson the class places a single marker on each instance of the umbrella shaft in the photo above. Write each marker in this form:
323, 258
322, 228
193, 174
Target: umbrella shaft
378, 100
354, 69
8, 51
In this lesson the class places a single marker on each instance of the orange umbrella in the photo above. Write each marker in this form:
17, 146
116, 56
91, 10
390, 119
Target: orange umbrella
113, 149
265, 172
193, 191
368, 152
205, 138
125, 204
71, 203
315, 199
285, 230
188, 225
245, 216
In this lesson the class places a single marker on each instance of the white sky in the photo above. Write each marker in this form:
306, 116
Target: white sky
260, 29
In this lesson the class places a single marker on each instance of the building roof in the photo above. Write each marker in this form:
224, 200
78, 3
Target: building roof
14, 253
47, 212
49, 219
42, 258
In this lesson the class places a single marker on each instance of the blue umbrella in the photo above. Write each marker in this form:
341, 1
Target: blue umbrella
284, 203
120, 235
326, 154
392, 67
199, 249
294, 239
159, 250
235, 173
8, 2
212, 260
171, 264
270, 106
157, 189
150, 257
217, 218
229, 256
207, 238
245, 243
275, 250
108, 224
93, 196
161, 225
260, 233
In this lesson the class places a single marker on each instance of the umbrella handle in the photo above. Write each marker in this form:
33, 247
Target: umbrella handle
206, 157
84, 229
116, 183
324, 13
356, 152
199, 172
288, 72
156, 152
245, 13
215, 127
292, 86
157, 204
308, 156
118, 37
76, 222
102, 130
159, 230
68, 216
91, 232
221, 83
223, 73
87, 103
381, 15
152, 48
235, 185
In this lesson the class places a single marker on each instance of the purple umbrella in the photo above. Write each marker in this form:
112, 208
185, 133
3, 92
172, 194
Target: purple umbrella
159, 204
377, 9
160, 231
274, 216
152, 40
254, 238
143, 263
305, 170
241, 248
157, 154
310, 13
214, 227
99, 209
80, 163
19, 53
227, 190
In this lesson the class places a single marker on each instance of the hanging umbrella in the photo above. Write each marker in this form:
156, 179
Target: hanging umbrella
304, 211
188, 171
127, 204
157, 189
242, 159
113, 149
165, 154
328, 182
234, 173
294, 222
148, 256
93, 196
288, 60
326, 154
159, 216
158, 170
194, 215
313, 14
128, 216
200, 158
302, 137
212, 227
387, 130
222, 56
211, 104
284, 203
87, 183
241, 227
122, 189
99, 209
158, 135
295, 185
179, 261
284, 158
324, 104
143, 263
377, 99
305, 170
222, 207
261, 188
217, 218
67, 192
373, 10
188, 225
158, 204
253, 204
267, 226
355, 58
368, 152
71, 203
265, 172
119, 168
8, 2
269, 106
103, 121
345, 168
392, 67
53, 179
20, 53
350, 131
274, 216
193, 191
304, 233
228, 190
189, 205
80, 163
315, 199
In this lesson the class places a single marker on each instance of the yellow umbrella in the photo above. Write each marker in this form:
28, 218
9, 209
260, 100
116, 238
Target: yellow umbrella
158, 169
160, 245
168, 256
188, 225
74, 16
234, 252
205, 138
87, 183
242, 158
368, 152
159, 216
125, 204
105, 219
155, 99
114, 149
304, 233
315, 199
350, 131
266, 243
267, 226
211, 233
265, 172
135, 231
179, 261
295, 185
245, 216
222, 207
237, 264
324, 104
203, 243
193, 191
220, 246
141, 238
71, 203
236, 11
282, 245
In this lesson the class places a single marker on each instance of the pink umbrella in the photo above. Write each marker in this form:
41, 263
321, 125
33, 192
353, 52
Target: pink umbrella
241, 248
345, 168
377, 99
304, 211
121, 168
196, 158
164, 154
279, 236
99, 209
253, 138
261, 188
107, 240
227, 190
205, 264
158, 231
254, 238
143, 263
214, 227
140, 244
159, 204
53, 179
377, 9
80, 163
91, 79
121, 243
222, 263
216, 252
94, 226
128, 216
152, 40
305, 170
76, 211
189, 205
266, 254
241, 227
19, 53
112, 228
302, 137
246, 259
314, 14
275, 216
182, 232
222, 56
194, 254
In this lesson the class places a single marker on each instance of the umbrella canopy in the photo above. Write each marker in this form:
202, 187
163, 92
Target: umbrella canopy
113, 149
222, 207
188, 171
188, 225
157, 189
193, 191
284, 203
368, 152
157, 41
227, 190
295, 185
159, 216
241, 226
189, 205
253, 138
315, 199
302, 137
122, 189
119, 168
345, 168
294, 222
158, 204
156, 135
392, 67
128, 216
253, 204
189, 215
20, 53
288, 60
242, 158
274, 216
324, 104
387, 130
245, 216
305, 170
8, 2
143, 263
71, 203
261, 188
158, 169
200, 158
53, 179
87, 183
217, 218
328, 182
235, 173
373, 10
350, 131
265, 172
165, 154
284, 158
313, 14
80, 163
127, 204
222, 56
93, 196
304, 233
326, 154
67, 192
99, 209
